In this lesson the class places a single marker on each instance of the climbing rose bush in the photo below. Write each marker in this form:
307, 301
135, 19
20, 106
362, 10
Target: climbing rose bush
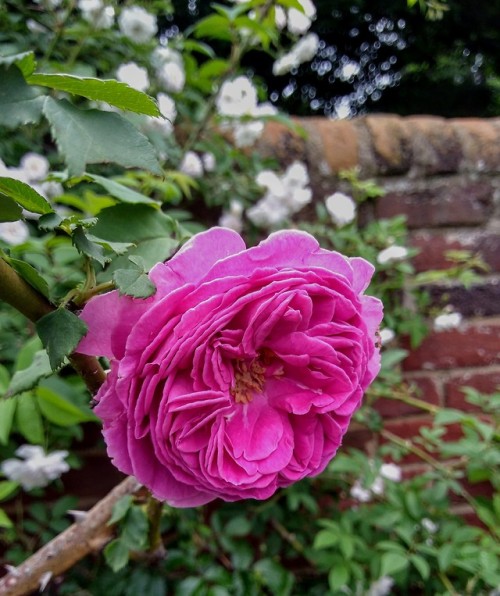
241, 374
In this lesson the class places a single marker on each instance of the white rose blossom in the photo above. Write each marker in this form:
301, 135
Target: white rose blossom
172, 77
246, 133
303, 51
359, 493
35, 166
14, 232
191, 165
429, 525
391, 472
209, 163
341, 208
134, 75
137, 24
446, 321
386, 336
363, 494
98, 14
163, 125
392, 254
237, 98
35, 469
381, 587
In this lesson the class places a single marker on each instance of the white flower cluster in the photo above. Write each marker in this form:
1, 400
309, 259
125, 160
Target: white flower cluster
447, 321
35, 469
341, 208
137, 24
381, 587
386, 336
98, 14
303, 51
296, 21
392, 254
195, 166
170, 70
285, 195
390, 472
237, 100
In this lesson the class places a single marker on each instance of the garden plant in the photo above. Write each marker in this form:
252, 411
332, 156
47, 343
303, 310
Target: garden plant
221, 322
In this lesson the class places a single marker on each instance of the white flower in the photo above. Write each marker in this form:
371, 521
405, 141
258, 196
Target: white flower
168, 110
163, 54
270, 180
50, 4
35, 469
306, 48
264, 109
97, 13
172, 76
297, 199
429, 525
391, 472
134, 75
246, 133
209, 162
268, 212
446, 321
297, 23
341, 208
386, 336
296, 175
137, 24
237, 98
391, 254
359, 493
191, 165
381, 587
303, 51
51, 189
280, 17
14, 232
35, 166
233, 217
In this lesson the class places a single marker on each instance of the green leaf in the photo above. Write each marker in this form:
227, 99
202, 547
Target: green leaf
91, 136
60, 332
25, 62
238, 526
24, 195
27, 378
149, 229
84, 245
9, 209
392, 563
19, 103
338, 576
213, 26
59, 410
325, 539
445, 556
120, 509
421, 565
116, 554
5, 521
274, 576
31, 275
135, 529
133, 282
7, 488
29, 420
7, 410
112, 92
119, 191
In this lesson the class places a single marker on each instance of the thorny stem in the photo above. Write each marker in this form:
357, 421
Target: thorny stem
66, 549
154, 511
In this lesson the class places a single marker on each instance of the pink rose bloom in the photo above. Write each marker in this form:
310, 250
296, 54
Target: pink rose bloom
241, 374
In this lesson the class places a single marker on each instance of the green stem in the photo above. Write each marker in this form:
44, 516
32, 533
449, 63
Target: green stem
154, 511
408, 399
24, 298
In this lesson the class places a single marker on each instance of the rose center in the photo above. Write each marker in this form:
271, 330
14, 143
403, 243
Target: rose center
248, 378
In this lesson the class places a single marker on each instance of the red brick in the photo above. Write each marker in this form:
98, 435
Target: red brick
478, 300
486, 382
423, 388
391, 143
480, 140
432, 246
282, 143
332, 145
473, 344
463, 204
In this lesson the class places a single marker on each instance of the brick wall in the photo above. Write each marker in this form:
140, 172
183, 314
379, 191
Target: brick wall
444, 175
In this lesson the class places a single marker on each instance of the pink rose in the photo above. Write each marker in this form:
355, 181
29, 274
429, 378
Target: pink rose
240, 375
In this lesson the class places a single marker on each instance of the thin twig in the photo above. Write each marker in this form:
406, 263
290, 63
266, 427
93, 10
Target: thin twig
66, 549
